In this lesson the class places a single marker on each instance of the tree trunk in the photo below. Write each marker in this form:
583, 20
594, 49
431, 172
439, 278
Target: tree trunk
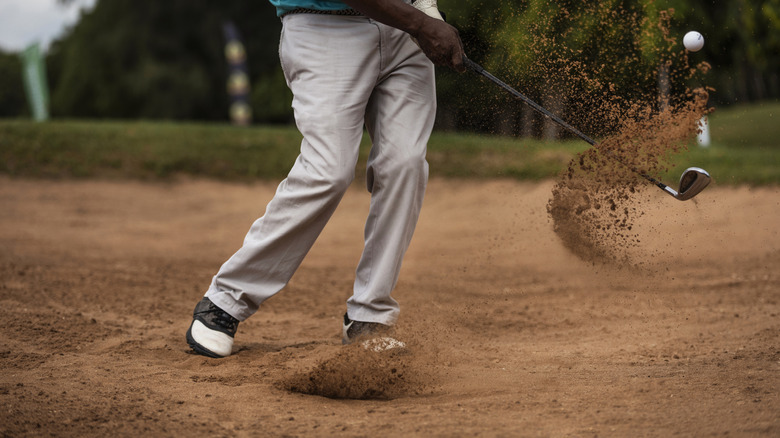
527, 121
555, 104
505, 120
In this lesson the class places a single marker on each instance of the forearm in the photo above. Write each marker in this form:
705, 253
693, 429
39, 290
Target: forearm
437, 39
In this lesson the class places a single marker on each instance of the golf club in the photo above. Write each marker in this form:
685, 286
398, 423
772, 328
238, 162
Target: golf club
692, 181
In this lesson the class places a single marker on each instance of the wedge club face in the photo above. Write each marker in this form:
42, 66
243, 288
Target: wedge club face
692, 181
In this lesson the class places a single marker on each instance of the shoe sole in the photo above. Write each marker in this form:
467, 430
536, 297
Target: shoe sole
199, 348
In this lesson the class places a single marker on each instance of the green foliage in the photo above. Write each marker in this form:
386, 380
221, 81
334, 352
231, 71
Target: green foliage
13, 102
164, 60
742, 40
595, 60
161, 60
272, 99
589, 62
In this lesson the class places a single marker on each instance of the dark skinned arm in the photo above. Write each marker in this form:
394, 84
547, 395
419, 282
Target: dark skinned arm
438, 40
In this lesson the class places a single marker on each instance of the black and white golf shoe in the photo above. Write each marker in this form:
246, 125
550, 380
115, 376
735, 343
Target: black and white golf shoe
371, 335
212, 330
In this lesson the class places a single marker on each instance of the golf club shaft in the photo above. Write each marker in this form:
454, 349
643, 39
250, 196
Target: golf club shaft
473, 66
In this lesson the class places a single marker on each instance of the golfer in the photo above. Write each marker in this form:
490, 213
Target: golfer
349, 64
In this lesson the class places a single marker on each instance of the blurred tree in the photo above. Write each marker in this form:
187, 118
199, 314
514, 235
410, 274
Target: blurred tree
128, 59
466, 102
271, 98
742, 42
165, 59
13, 102
592, 61
575, 58
754, 64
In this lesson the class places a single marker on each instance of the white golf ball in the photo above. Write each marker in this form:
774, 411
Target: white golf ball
693, 41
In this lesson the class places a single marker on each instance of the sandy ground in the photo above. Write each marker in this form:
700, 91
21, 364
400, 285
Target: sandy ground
510, 334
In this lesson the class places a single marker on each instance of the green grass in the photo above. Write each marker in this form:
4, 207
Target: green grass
144, 150
150, 150
745, 149
745, 146
476, 156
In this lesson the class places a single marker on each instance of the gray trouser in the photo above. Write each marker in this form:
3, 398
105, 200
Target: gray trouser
345, 72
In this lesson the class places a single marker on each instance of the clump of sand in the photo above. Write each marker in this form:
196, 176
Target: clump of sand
597, 200
355, 372
358, 373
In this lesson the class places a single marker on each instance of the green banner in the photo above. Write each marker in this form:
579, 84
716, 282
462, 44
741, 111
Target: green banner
34, 73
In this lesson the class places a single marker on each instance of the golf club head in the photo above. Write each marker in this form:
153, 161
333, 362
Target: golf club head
692, 181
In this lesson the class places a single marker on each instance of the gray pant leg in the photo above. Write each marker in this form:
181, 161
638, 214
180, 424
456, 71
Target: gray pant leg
338, 79
328, 63
399, 118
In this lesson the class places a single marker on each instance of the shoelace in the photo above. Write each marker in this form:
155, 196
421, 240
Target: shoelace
227, 321
223, 319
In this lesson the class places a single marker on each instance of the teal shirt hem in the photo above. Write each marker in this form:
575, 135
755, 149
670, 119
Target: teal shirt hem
284, 6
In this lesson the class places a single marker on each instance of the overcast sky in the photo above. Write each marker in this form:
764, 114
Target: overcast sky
23, 22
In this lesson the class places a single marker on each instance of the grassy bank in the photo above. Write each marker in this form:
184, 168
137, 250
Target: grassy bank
745, 149
149, 150
745, 146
